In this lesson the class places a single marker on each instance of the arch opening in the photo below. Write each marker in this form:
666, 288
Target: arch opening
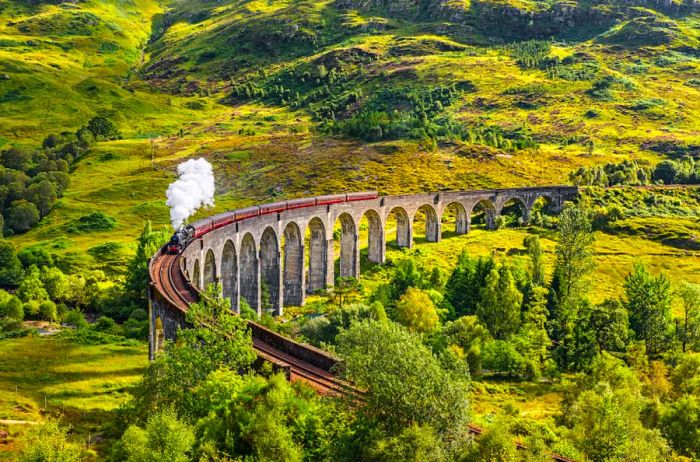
315, 239
455, 220
209, 269
543, 211
399, 225
515, 213
270, 271
345, 241
293, 265
249, 275
483, 214
196, 278
229, 274
426, 226
371, 240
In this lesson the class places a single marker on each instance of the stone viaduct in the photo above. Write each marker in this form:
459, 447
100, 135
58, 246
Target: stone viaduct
270, 252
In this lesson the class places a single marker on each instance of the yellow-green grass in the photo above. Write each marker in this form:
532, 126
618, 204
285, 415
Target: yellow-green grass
614, 256
44, 378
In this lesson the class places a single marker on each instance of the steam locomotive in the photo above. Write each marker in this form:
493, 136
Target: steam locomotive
199, 228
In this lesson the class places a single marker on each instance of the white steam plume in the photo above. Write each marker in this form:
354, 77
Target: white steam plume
193, 189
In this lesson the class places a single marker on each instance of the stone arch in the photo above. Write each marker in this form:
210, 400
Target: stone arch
432, 224
488, 209
348, 247
456, 211
209, 269
404, 229
270, 266
513, 203
293, 271
318, 255
229, 274
250, 272
196, 275
158, 336
375, 236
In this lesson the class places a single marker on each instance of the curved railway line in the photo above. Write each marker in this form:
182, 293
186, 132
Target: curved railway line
167, 278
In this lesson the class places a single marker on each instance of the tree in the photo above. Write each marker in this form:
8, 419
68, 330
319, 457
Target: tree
31, 287
216, 339
137, 274
23, 215
609, 324
534, 251
416, 311
404, 381
415, 443
103, 129
689, 326
533, 341
17, 159
463, 287
648, 301
47, 442
666, 171
42, 194
499, 307
567, 290
574, 259
164, 438
344, 290
680, 423
495, 445
10, 266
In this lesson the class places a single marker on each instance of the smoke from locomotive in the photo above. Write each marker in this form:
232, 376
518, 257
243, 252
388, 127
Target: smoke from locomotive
193, 189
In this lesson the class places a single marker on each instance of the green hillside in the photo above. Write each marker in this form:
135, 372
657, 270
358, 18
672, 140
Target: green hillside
399, 96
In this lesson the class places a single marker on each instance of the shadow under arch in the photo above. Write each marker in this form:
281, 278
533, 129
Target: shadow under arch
318, 256
347, 261
209, 269
455, 215
270, 267
249, 287
229, 274
404, 233
484, 212
196, 278
426, 224
293, 265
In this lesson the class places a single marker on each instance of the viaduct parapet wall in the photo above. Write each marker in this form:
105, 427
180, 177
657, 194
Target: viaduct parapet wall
270, 252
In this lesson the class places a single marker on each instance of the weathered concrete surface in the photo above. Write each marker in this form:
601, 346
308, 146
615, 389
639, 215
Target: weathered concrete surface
271, 249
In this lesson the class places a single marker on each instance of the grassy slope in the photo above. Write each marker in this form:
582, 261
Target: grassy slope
81, 383
69, 78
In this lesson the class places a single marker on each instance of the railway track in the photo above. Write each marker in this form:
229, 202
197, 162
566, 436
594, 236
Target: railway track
171, 284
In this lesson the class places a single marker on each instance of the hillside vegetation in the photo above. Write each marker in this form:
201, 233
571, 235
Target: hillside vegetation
292, 98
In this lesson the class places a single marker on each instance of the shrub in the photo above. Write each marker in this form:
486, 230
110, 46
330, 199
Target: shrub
103, 129
96, 221
47, 311
12, 308
76, 319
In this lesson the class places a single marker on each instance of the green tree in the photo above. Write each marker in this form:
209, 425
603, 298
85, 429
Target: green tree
648, 301
404, 381
164, 438
22, 217
536, 254
568, 288
47, 442
103, 129
31, 287
42, 194
416, 311
689, 325
533, 340
609, 324
464, 285
680, 423
10, 266
137, 271
11, 306
216, 339
499, 307
495, 445
415, 443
